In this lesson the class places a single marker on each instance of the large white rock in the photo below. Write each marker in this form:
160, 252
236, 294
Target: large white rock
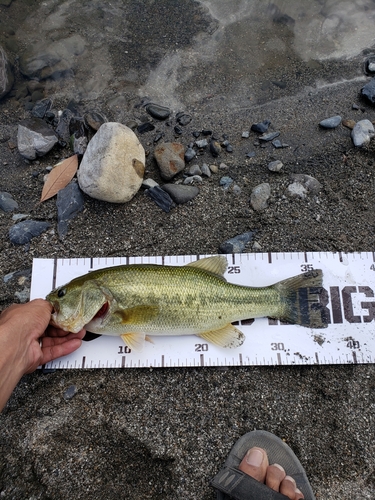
113, 165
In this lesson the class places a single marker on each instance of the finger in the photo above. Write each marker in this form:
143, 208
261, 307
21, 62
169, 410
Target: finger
49, 342
53, 331
255, 464
275, 474
60, 349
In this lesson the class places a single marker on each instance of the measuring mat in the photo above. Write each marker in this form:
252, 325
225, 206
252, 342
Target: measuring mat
348, 302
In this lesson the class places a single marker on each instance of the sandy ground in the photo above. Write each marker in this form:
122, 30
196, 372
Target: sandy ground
163, 433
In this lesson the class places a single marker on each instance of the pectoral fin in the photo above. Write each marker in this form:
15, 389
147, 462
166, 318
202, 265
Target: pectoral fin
229, 336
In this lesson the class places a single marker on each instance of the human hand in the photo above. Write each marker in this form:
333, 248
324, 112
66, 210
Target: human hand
29, 340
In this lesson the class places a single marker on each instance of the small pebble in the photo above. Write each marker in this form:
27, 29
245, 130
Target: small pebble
332, 122
245, 134
251, 154
259, 196
194, 170
206, 170
181, 194
214, 169
275, 166
223, 166
24, 231
349, 123
190, 153
7, 203
70, 393
261, 127
202, 143
178, 130
278, 144
226, 182
183, 119
157, 111
236, 244
215, 148
229, 148
269, 137
145, 127
192, 179
149, 183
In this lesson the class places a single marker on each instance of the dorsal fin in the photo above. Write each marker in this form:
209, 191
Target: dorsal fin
216, 265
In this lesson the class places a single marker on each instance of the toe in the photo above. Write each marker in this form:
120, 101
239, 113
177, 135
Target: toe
274, 477
288, 488
255, 464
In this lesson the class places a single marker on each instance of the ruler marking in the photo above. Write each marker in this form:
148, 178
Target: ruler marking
279, 362
354, 354
269, 258
54, 274
162, 361
317, 358
240, 358
201, 359
233, 259
83, 361
306, 258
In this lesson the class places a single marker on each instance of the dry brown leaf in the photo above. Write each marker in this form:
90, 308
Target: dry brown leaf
59, 177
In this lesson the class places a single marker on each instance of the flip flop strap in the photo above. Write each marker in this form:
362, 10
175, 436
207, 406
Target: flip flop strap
237, 485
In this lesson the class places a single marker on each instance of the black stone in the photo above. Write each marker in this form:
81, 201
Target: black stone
207, 132
158, 136
183, 119
180, 193
260, 127
196, 134
62, 129
157, 111
24, 231
236, 244
251, 154
94, 119
269, 137
161, 198
369, 90
190, 153
7, 203
178, 130
229, 148
69, 202
145, 127
41, 108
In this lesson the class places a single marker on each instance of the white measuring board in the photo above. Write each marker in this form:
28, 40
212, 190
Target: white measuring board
348, 300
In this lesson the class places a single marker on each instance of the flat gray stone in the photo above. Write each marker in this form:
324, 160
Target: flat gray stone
24, 231
332, 122
35, 138
236, 244
259, 196
180, 193
69, 202
7, 203
368, 90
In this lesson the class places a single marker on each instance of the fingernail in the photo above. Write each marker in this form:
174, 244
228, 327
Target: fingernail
254, 457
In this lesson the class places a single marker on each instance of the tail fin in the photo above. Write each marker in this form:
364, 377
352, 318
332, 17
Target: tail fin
301, 297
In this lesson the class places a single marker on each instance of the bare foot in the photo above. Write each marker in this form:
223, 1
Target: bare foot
255, 464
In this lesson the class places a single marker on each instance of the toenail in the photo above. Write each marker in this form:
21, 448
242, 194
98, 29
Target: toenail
254, 457
279, 467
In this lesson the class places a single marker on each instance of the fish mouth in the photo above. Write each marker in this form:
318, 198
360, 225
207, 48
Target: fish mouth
102, 311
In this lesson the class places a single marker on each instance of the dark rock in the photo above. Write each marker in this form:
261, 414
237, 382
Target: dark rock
207, 132
181, 193
369, 90
251, 154
6, 74
196, 134
183, 119
170, 159
370, 65
70, 392
157, 111
190, 153
229, 148
7, 203
158, 136
161, 198
62, 129
41, 107
178, 130
215, 148
269, 137
35, 138
94, 119
332, 122
24, 231
236, 244
278, 144
145, 127
261, 127
70, 201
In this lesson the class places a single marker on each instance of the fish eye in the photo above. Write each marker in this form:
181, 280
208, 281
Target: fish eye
61, 292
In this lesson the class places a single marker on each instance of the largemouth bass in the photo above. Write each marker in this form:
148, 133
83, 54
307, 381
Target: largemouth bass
138, 300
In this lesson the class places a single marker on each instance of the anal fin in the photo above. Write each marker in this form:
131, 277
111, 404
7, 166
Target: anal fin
229, 336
